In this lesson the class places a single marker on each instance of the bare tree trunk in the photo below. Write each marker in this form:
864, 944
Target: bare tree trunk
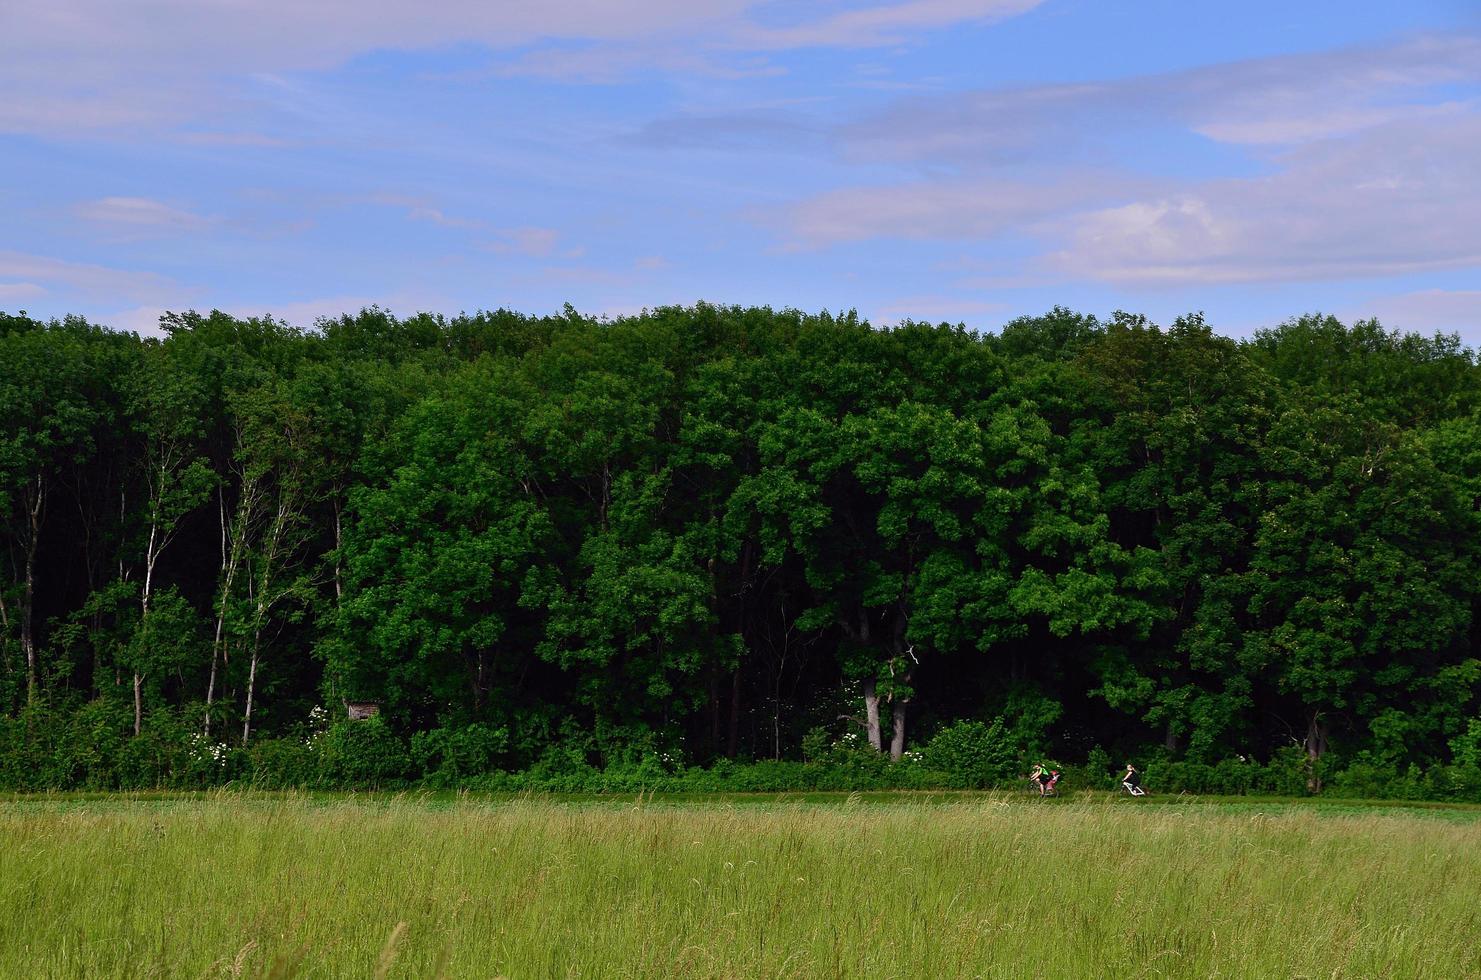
150, 556
232, 544
338, 541
897, 741
28, 599
220, 608
273, 551
1315, 745
251, 683
871, 715
4, 636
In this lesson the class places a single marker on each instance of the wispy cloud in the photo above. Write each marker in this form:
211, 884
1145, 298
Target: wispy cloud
83, 279
609, 64
882, 24
72, 66
728, 131
951, 209
20, 290
139, 216
529, 242
1402, 198
438, 217
1367, 160
1280, 100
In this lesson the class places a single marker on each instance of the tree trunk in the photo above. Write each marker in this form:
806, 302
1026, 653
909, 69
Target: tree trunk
338, 543
251, 683
228, 572
1315, 745
28, 598
151, 555
871, 715
4, 637
897, 741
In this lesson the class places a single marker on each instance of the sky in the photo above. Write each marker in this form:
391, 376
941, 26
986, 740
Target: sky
944, 160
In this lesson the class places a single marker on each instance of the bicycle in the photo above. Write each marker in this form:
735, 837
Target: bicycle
1045, 788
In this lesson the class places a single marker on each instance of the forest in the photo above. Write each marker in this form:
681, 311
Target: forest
708, 541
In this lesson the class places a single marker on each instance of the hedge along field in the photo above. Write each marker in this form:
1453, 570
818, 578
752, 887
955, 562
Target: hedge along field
232, 885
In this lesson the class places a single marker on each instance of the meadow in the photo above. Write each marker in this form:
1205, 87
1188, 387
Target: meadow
232, 884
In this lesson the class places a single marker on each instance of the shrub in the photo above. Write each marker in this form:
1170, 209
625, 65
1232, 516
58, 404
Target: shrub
973, 755
158, 756
282, 763
816, 744
87, 755
1465, 748
363, 754
448, 756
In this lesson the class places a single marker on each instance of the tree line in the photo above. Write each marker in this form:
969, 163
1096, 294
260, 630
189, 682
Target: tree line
718, 532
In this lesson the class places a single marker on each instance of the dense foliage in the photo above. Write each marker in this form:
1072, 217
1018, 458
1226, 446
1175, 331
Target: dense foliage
567, 552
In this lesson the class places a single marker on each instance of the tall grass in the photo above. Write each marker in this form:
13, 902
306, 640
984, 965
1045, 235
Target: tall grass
249, 886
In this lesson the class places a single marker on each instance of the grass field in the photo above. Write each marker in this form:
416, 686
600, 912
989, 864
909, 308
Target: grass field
880, 886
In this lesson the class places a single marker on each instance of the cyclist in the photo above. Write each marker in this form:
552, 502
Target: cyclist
1046, 779
1132, 780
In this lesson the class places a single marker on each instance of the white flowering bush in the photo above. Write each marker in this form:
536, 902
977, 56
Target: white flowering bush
205, 753
206, 761
318, 725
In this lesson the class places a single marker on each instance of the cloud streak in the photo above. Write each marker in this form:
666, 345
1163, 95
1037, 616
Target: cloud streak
1273, 101
74, 66
140, 216
1402, 198
882, 24
85, 279
1366, 163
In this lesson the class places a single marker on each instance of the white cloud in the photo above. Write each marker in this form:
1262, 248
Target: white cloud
20, 290
882, 24
72, 66
139, 215
530, 242
437, 217
1401, 198
1282, 100
1367, 161
955, 209
611, 63
83, 279
142, 320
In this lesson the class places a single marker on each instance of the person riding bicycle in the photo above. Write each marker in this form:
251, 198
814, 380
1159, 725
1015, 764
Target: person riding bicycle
1132, 780
1046, 777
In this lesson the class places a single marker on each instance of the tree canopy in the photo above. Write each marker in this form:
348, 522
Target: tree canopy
710, 531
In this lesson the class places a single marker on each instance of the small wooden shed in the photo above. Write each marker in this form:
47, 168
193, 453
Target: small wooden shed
360, 710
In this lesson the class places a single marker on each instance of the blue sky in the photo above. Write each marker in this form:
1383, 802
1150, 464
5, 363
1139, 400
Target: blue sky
961, 160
